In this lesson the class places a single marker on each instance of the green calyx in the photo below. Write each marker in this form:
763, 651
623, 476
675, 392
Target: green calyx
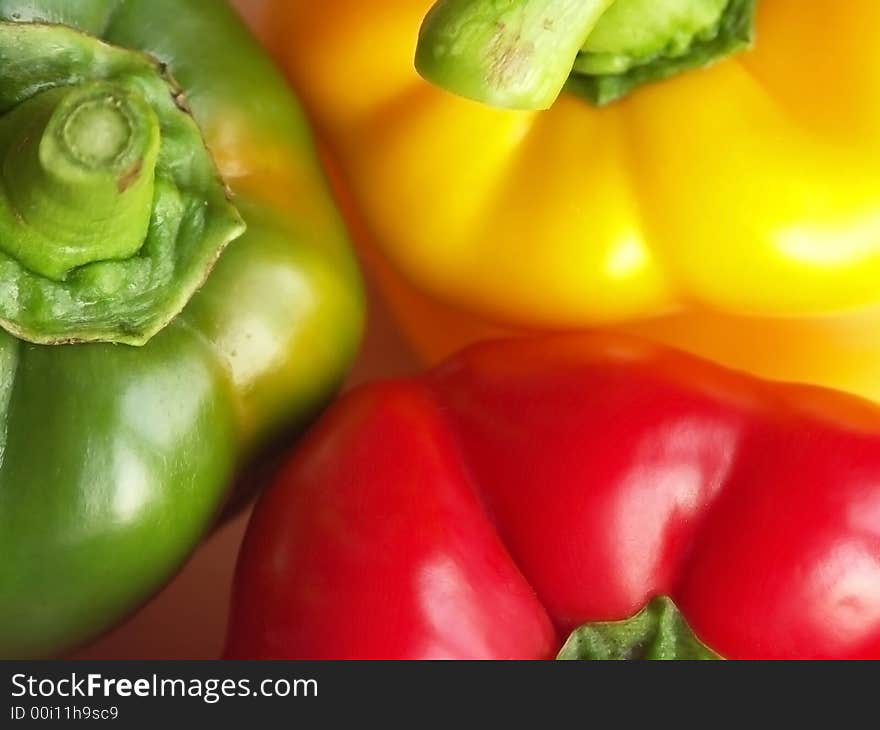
111, 210
666, 38
657, 632
520, 54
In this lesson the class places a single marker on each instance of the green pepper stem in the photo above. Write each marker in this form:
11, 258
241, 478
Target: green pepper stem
515, 54
112, 212
78, 174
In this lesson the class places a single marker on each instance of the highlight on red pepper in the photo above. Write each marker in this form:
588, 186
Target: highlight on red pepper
580, 496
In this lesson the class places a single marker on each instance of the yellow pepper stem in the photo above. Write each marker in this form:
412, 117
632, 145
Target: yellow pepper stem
520, 54
515, 54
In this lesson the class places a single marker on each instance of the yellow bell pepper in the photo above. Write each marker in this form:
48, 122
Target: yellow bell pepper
732, 210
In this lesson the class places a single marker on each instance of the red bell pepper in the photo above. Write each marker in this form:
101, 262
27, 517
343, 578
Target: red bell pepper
523, 489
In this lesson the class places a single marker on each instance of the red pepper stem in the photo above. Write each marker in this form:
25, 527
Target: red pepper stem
658, 631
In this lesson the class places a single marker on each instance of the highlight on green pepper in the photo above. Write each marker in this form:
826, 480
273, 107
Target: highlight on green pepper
176, 291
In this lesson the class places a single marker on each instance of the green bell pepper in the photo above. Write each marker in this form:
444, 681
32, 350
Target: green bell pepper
139, 367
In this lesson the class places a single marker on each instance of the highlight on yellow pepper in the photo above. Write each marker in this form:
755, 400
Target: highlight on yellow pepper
731, 207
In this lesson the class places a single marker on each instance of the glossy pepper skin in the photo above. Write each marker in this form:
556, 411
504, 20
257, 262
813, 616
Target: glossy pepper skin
743, 195
116, 459
526, 487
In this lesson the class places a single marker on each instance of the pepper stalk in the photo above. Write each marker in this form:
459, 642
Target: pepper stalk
112, 212
79, 176
521, 54
657, 632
